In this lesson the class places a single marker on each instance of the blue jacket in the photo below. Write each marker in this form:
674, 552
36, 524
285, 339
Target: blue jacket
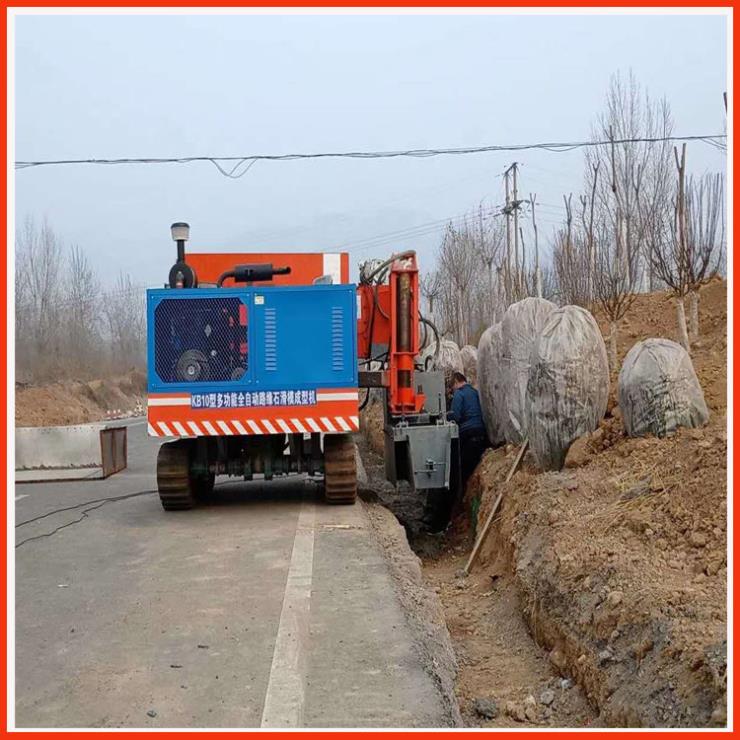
466, 410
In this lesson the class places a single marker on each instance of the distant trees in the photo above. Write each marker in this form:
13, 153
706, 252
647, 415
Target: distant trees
641, 223
464, 293
687, 243
66, 324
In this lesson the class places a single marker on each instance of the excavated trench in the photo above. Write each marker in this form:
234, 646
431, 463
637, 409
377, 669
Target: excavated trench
599, 596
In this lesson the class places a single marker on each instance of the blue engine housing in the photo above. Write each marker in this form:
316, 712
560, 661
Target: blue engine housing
251, 338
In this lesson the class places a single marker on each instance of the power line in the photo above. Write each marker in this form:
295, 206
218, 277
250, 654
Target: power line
413, 231
239, 169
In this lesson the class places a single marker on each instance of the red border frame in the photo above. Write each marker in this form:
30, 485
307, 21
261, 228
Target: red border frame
327, 3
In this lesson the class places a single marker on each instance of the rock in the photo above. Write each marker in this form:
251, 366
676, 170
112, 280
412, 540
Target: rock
530, 708
515, 710
566, 683
605, 656
557, 658
614, 598
547, 697
486, 708
553, 516
151, 713
578, 452
461, 573
698, 539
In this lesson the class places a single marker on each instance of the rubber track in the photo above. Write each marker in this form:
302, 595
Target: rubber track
173, 477
340, 469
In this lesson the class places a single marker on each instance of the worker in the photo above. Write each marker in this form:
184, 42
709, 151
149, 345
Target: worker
466, 412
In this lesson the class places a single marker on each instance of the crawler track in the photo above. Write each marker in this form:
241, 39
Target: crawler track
340, 469
173, 477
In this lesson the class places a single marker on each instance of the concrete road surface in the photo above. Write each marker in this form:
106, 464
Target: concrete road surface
266, 608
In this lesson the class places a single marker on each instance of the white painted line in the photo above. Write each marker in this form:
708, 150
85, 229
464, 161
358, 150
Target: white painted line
355, 420
269, 426
169, 401
224, 427
166, 430
342, 423
284, 426
254, 426
350, 396
327, 423
195, 428
209, 428
239, 427
20, 496
180, 429
313, 424
297, 424
286, 688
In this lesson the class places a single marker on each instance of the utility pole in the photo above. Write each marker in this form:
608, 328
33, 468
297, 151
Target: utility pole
515, 205
515, 286
537, 276
507, 213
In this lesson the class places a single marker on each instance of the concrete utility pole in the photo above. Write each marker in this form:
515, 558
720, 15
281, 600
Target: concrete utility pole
507, 212
537, 276
515, 285
515, 205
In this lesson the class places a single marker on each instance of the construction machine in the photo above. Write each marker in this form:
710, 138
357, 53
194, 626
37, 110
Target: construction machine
257, 364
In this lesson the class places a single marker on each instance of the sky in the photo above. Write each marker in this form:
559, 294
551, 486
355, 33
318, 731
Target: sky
171, 86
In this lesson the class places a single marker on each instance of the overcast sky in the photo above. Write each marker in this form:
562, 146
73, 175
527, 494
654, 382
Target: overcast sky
149, 86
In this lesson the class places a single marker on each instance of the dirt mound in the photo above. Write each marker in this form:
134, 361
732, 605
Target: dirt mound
620, 559
78, 403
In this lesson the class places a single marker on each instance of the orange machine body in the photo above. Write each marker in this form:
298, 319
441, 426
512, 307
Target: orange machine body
305, 267
389, 318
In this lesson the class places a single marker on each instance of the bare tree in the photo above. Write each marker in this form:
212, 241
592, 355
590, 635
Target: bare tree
705, 237
570, 264
537, 274
669, 248
588, 205
84, 350
615, 284
39, 279
125, 313
639, 182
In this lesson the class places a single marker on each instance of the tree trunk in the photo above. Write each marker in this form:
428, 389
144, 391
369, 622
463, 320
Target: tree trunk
683, 335
613, 345
694, 314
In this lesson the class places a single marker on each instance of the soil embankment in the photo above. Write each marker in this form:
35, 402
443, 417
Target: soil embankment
70, 402
609, 575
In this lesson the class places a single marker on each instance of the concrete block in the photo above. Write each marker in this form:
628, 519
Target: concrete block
69, 452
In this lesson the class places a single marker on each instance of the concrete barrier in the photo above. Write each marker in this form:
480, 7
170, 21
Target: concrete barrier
76, 452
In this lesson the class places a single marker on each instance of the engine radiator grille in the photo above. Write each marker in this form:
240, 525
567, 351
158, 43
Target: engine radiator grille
200, 339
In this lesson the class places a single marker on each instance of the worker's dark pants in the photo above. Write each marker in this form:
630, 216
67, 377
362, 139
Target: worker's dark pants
472, 446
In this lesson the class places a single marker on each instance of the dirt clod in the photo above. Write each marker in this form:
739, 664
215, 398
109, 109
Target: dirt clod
486, 708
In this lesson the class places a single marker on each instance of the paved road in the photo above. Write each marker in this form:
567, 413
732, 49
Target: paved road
266, 608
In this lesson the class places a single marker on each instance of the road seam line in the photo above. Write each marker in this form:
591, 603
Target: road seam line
286, 686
